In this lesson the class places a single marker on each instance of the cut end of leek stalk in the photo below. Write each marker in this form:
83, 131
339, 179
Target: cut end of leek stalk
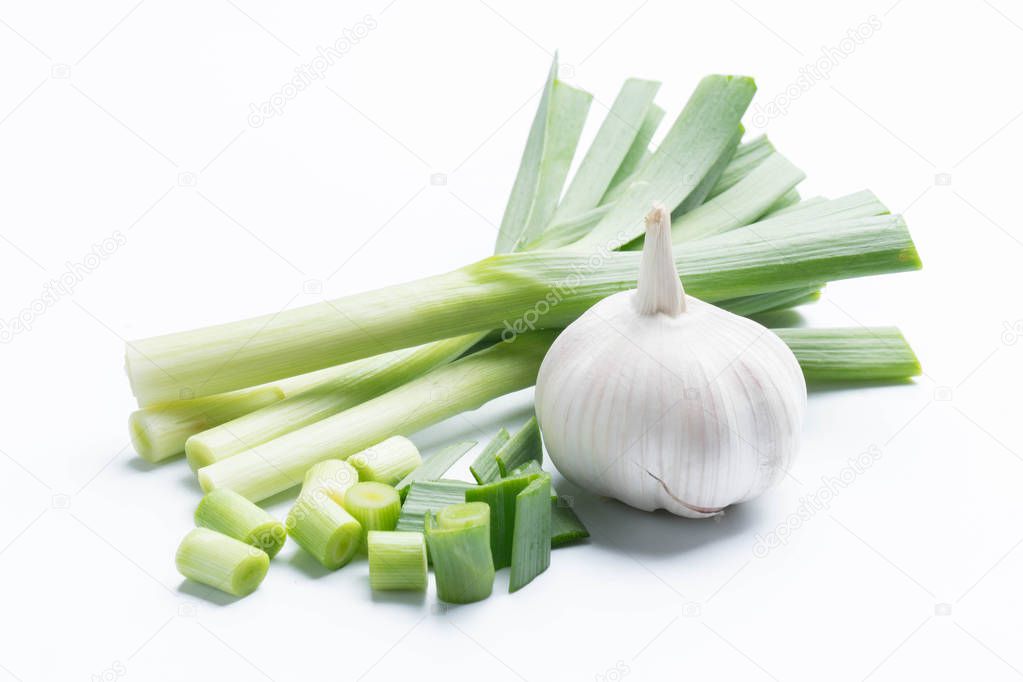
459, 542
397, 560
376, 506
330, 478
324, 529
229, 513
387, 462
214, 559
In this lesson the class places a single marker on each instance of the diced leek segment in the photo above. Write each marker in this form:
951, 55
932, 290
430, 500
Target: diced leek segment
531, 468
435, 466
388, 461
700, 135
323, 528
531, 534
565, 525
220, 561
342, 387
459, 542
330, 478
500, 496
397, 560
160, 431
523, 447
484, 468
376, 506
638, 153
610, 146
444, 392
546, 158
429, 496
229, 513
855, 353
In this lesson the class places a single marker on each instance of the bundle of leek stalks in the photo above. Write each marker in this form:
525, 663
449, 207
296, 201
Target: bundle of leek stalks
255, 403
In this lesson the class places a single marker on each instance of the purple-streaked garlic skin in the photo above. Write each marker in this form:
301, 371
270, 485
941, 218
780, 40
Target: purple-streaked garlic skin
669, 404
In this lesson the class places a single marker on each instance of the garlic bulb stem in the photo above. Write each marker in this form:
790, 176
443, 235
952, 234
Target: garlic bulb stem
659, 289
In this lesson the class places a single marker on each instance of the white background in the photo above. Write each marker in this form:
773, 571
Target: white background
133, 118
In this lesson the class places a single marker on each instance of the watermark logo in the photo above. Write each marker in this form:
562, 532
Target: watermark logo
308, 73
62, 287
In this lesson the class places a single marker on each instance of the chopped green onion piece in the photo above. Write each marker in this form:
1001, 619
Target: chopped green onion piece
484, 468
227, 512
160, 431
429, 496
397, 561
388, 461
545, 162
500, 496
852, 354
436, 466
330, 479
459, 543
376, 506
341, 387
462, 385
323, 528
523, 447
610, 146
700, 135
565, 525
531, 536
220, 561
532, 469
637, 155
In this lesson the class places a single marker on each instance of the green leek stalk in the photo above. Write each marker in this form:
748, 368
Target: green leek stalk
525, 446
388, 461
484, 468
459, 542
565, 525
509, 291
852, 354
429, 496
229, 513
376, 506
330, 479
435, 467
500, 497
323, 528
531, 536
397, 560
220, 561
637, 155
446, 391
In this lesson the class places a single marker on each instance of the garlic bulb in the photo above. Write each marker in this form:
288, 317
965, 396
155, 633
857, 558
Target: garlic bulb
666, 402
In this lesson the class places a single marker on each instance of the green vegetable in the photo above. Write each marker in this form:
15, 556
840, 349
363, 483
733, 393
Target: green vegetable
565, 525
500, 496
484, 468
746, 158
388, 461
462, 385
397, 561
376, 506
524, 446
435, 467
637, 155
160, 431
531, 535
229, 513
214, 559
330, 479
852, 354
323, 528
429, 496
459, 542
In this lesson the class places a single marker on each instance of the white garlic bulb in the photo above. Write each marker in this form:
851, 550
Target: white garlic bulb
664, 401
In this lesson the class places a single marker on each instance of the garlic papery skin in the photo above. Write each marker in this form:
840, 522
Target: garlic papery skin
663, 401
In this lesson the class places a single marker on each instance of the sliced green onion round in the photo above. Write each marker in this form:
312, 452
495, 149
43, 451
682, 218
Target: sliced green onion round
459, 542
397, 560
220, 561
324, 529
227, 512
388, 461
376, 506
